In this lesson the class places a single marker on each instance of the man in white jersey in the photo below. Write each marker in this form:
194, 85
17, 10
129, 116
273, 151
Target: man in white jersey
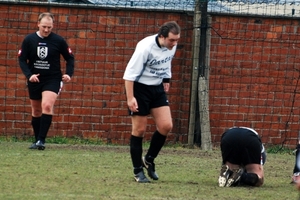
147, 77
243, 157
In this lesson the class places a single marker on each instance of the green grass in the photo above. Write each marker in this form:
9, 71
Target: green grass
80, 171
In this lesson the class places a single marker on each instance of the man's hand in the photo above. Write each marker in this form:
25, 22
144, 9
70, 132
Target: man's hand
66, 78
34, 78
132, 105
166, 87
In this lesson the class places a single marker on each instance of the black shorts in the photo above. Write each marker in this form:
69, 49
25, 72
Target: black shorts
148, 97
241, 146
35, 89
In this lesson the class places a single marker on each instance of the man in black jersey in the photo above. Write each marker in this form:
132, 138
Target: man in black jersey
39, 59
243, 157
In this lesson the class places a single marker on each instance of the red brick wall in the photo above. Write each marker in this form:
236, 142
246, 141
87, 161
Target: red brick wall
254, 71
254, 78
102, 40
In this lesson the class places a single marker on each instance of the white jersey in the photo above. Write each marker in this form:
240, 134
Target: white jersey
150, 63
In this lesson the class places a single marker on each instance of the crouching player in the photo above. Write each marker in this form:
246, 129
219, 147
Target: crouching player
243, 157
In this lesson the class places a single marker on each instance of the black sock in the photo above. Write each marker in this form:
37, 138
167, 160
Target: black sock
35, 123
249, 179
157, 142
137, 170
136, 151
46, 121
297, 160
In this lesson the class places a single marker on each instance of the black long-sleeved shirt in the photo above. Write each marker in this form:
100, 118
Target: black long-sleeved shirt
42, 56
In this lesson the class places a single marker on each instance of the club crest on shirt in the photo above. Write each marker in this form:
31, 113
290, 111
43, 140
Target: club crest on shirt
42, 52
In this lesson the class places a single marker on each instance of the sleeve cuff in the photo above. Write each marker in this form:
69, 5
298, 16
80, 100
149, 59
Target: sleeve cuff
166, 80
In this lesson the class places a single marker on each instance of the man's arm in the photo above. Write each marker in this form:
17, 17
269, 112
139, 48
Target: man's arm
69, 57
131, 101
22, 56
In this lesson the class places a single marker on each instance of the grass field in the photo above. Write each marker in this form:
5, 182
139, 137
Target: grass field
82, 172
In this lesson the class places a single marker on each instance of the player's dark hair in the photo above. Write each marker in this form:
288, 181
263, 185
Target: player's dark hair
45, 14
167, 27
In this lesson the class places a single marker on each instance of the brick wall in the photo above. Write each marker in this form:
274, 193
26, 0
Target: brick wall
254, 78
102, 40
254, 73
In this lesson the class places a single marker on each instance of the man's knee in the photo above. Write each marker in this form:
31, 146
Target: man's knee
168, 127
139, 131
165, 129
47, 107
36, 111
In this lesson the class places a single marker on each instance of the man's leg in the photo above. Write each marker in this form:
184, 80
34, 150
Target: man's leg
254, 175
296, 171
46, 121
47, 104
163, 121
36, 112
139, 124
230, 172
231, 175
35, 123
